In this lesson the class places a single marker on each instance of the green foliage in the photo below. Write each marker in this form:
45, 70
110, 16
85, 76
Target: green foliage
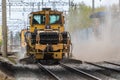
102, 8
0, 42
79, 16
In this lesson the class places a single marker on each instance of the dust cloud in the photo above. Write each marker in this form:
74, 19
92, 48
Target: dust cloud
22, 53
102, 46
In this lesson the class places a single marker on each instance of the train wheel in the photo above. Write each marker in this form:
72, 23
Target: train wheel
49, 62
28, 60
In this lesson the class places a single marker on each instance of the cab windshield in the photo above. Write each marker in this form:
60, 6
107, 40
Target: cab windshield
55, 19
38, 19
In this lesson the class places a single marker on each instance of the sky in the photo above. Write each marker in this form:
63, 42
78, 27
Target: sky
98, 2
88, 2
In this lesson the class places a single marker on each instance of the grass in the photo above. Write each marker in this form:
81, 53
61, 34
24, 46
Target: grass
12, 59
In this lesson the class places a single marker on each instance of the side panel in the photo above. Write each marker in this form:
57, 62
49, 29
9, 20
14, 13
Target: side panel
23, 43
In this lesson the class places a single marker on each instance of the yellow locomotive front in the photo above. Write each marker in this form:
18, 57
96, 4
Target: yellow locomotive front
46, 38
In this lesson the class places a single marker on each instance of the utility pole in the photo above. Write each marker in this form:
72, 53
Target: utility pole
42, 3
11, 40
69, 3
119, 6
93, 6
4, 28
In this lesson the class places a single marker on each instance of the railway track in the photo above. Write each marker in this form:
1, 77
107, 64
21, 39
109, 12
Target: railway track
73, 70
80, 72
89, 69
103, 70
64, 72
77, 70
31, 72
54, 76
111, 70
104, 66
112, 63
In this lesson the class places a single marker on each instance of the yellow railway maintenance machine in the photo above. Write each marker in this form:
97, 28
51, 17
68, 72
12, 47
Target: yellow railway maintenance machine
46, 39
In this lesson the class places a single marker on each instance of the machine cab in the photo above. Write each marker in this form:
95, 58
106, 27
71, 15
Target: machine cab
47, 19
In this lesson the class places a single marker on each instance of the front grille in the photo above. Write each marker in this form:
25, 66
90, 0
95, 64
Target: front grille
49, 38
65, 37
33, 38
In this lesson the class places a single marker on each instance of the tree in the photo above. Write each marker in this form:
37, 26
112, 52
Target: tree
79, 16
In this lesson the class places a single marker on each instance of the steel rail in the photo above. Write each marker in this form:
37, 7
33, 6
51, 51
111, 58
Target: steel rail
80, 71
75, 60
107, 68
111, 63
49, 72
